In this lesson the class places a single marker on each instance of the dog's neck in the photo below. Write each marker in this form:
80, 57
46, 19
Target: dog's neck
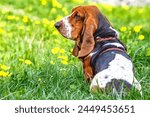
105, 44
104, 29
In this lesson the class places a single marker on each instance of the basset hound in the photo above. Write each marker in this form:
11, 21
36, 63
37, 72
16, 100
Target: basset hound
104, 57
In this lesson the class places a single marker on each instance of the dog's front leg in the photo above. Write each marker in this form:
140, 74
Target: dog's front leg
88, 72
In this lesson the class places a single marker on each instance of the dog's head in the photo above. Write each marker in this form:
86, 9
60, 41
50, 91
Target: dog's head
82, 26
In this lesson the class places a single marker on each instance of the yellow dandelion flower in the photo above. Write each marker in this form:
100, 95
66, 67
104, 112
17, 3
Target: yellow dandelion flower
141, 37
20, 27
52, 62
71, 50
55, 3
64, 62
53, 10
55, 50
4, 74
55, 32
63, 57
65, 11
78, 1
59, 17
21, 60
62, 51
137, 28
10, 17
28, 62
4, 67
16, 18
52, 23
2, 31
123, 29
25, 19
46, 21
44, 2
37, 22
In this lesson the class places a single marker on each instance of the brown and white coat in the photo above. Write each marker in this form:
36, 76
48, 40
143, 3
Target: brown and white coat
97, 45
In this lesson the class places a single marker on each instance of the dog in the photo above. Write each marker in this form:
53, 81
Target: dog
106, 64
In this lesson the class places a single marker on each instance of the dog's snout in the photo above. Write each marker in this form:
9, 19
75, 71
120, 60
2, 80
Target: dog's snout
57, 25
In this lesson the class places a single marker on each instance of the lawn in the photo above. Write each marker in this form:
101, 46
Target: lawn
36, 61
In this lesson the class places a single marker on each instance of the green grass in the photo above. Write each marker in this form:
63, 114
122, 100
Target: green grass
60, 75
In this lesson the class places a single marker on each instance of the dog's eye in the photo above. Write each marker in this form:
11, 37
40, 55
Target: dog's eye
77, 17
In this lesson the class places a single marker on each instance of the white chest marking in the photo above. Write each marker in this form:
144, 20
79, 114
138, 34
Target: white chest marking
119, 68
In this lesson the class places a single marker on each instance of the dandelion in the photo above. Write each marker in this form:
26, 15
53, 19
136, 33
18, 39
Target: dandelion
137, 28
55, 32
53, 10
59, 17
16, 18
55, 50
141, 37
123, 29
4, 67
20, 27
62, 51
10, 17
44, 2
78, 1
2, 31
28, 62
46, 21
52, 22
55, 3
71, 50
37, 22
64, 62
4, 74
65, 11
63, 57
25, 19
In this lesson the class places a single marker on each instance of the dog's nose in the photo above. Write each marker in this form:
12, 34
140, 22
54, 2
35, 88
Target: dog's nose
57, 25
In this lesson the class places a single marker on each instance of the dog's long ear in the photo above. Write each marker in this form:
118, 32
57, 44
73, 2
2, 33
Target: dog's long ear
76, 50
88, 42
89, 27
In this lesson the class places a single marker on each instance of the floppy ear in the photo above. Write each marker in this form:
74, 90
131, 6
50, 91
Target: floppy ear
87, 40
76, 49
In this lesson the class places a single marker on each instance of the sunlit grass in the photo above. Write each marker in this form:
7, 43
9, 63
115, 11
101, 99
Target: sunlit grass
36, 61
